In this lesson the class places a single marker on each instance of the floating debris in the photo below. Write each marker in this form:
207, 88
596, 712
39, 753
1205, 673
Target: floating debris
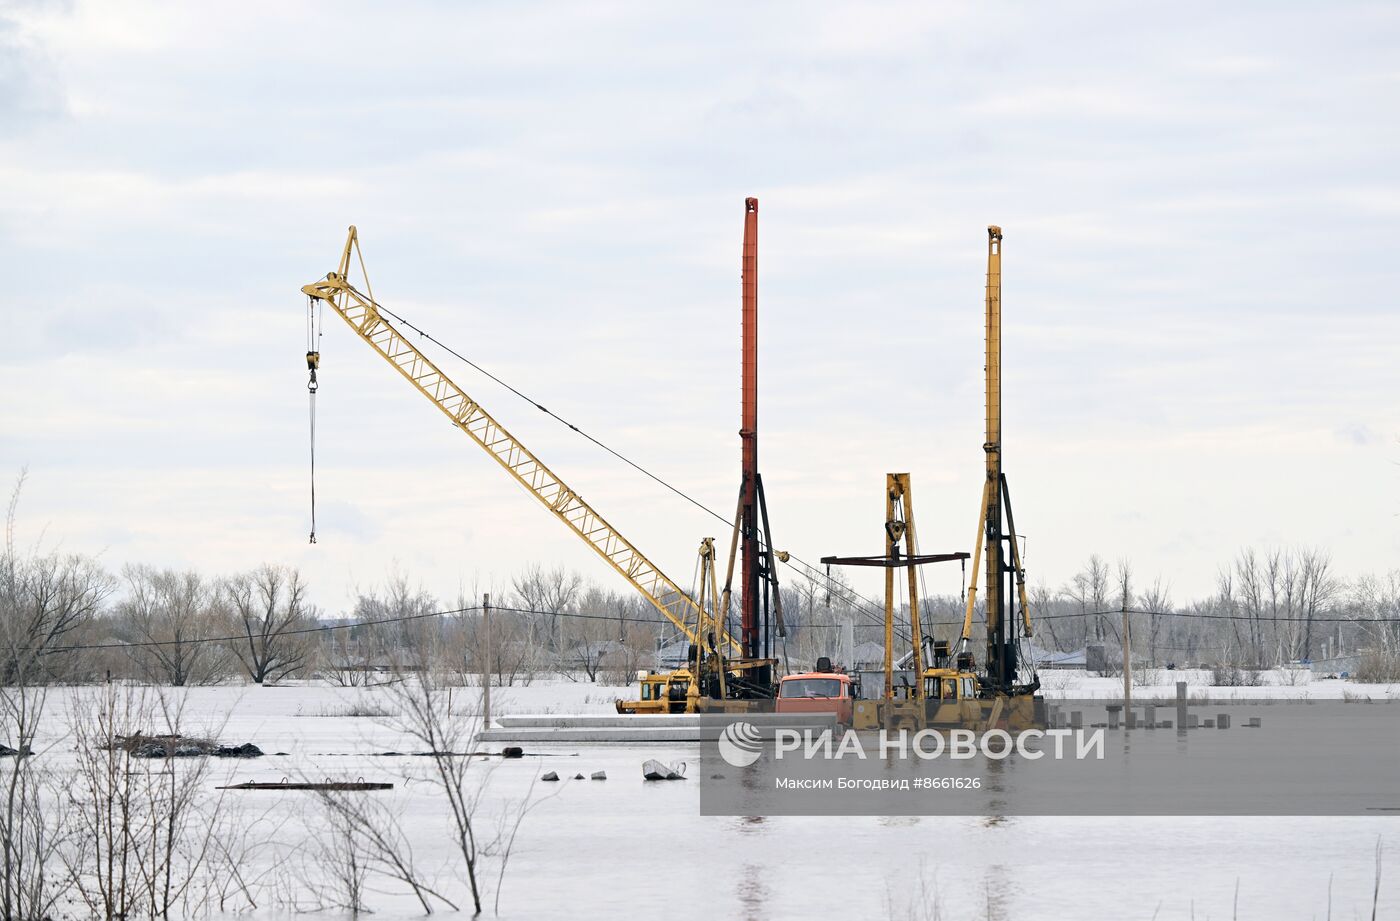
350, 786
655, 770
177, 746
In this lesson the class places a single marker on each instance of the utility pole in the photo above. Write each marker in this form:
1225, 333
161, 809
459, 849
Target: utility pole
1127, 660
486, 661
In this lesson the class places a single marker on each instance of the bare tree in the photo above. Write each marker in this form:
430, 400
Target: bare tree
1089, 590
1319, 591
634, 652
350, 658
44, 598
547, 591
409, 608
588, 643
1157, 601
1377, 599
167, 615
517, 653
267, 610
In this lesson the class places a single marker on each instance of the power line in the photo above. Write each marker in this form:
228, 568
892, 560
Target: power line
193, 641
329, 628
623, 618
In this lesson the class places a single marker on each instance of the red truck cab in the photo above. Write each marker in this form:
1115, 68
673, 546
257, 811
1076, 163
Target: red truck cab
818, 692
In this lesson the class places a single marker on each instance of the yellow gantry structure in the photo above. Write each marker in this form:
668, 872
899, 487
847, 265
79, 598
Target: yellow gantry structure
362, 313
899, 526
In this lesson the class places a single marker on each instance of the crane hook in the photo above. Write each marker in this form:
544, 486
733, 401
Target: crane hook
313, 361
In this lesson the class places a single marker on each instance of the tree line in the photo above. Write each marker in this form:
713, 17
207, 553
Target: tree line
64, 617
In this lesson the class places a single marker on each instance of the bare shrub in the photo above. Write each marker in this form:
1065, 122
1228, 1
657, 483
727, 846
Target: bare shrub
29, 835
1378, 666
44, 600
1146, 677
426, 713
139, 841
1233, 676
237, 879
342, 862
367, 837
1226, 676
352, 658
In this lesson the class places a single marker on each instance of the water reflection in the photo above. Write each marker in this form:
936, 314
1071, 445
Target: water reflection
753, 892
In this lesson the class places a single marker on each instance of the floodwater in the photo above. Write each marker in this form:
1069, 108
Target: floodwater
614, 848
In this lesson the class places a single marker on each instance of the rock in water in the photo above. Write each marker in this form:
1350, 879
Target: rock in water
600, 775
246, 750
655, 770
512, 751
550, 776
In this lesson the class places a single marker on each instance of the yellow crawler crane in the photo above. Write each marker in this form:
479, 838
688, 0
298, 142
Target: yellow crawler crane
714, 660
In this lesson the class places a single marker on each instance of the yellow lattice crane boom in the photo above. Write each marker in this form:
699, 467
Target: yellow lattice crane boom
363, 315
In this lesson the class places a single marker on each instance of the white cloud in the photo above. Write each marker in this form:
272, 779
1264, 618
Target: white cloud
1196, 318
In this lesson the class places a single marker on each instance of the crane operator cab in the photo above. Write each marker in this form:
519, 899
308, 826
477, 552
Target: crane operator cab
661, 692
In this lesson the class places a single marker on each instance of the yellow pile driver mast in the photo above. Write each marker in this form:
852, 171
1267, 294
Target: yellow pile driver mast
1001, 664
704, 629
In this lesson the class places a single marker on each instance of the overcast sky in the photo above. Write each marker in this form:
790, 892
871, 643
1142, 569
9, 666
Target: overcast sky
1200, 201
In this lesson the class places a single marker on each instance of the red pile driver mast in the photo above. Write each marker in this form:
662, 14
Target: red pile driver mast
760, 601
750, 633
